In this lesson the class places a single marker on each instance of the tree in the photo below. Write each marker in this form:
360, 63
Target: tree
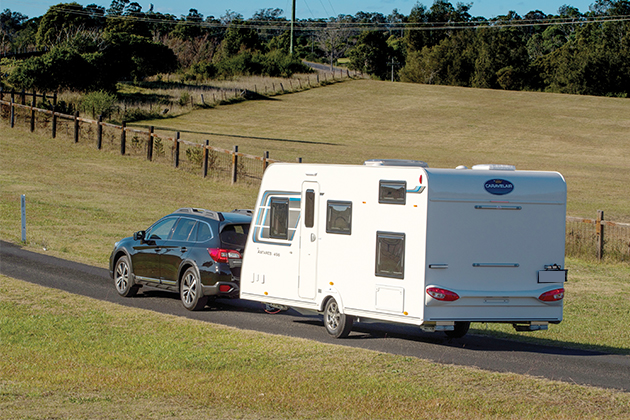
371, 54
333, 39
63, 19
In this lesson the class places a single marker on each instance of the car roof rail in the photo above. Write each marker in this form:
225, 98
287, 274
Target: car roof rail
248, 212
215, 215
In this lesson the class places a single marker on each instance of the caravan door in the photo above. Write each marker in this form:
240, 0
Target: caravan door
307, 281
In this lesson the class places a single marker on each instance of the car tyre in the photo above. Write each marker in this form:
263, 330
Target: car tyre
460, 330
337, 324
190, 291
123, 278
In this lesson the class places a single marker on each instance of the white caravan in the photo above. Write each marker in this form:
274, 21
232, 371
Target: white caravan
397, 241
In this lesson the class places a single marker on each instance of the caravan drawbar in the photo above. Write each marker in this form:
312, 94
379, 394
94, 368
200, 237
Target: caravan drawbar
397, 241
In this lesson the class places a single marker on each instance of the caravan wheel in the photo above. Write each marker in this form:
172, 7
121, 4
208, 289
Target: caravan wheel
461, 328
337, 324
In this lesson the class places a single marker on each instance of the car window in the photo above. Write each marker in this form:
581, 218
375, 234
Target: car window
234, 236
183, 229
162, 229
203, 232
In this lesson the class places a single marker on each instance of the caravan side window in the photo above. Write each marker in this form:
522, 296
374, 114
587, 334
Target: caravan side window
279, 226
392, 192
390, 254
339, 217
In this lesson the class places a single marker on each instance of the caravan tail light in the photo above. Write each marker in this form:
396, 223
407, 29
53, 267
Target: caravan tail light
442, 294
552, 295
224, 255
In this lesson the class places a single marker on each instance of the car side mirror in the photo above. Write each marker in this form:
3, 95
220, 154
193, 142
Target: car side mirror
139, 235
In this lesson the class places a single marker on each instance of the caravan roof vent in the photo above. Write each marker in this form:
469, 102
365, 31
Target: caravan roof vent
494, 167
395, 162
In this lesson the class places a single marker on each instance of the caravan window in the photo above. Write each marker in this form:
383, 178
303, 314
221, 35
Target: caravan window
392, 192
309, 208
279, 226
339, 217
390, 254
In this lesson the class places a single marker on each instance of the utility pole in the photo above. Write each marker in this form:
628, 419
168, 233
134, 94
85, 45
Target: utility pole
393, 63
292, 25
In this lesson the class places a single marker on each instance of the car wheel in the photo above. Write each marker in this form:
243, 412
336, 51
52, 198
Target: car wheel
123, 278
337, 324
190, 291
460, 330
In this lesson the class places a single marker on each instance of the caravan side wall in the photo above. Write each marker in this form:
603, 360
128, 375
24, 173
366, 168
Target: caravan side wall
368, 255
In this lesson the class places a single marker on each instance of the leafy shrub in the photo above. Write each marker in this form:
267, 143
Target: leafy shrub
194, 155
274, 64
137, 114
184, 98
99, 103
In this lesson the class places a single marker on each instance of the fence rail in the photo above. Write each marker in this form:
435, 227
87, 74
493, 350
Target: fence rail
585, 238
204, 159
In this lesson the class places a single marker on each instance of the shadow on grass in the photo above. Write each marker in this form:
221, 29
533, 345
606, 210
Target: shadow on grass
476, 340
207, 133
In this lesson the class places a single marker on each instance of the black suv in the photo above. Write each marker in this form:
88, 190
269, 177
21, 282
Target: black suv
195, 252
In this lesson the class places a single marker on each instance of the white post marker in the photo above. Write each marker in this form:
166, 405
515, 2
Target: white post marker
23, 218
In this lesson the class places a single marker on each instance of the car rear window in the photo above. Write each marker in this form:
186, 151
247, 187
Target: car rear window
234, 236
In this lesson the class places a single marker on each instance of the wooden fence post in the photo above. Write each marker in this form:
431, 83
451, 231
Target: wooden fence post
33, 104
150, 145
176, 157
23, 97
99, 132
54, 116
234, 165
265, 163
123, 139
12, 114
599, 232
205, 159
76, 126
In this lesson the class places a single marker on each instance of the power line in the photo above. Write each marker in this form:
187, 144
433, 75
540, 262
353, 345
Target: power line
314, 25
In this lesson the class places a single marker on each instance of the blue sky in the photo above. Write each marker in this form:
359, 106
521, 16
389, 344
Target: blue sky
307, 8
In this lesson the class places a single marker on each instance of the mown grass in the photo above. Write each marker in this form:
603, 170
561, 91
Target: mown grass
67, 356
80, 201
584, 138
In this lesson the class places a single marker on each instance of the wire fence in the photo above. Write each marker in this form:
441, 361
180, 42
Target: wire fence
193, 157
598, 239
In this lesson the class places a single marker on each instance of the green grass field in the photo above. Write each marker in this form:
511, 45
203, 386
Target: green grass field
72, 357
66, 356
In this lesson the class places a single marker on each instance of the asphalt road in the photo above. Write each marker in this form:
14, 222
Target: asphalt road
569, 365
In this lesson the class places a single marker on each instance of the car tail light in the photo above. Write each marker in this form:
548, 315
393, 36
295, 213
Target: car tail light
224, 255
225, 288
552, 295
442, 294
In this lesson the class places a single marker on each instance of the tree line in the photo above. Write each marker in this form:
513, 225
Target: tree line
93, 47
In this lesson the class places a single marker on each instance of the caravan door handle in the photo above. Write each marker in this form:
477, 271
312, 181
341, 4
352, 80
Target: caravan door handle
313, 237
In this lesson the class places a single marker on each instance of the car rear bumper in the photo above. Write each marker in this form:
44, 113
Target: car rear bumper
222, 289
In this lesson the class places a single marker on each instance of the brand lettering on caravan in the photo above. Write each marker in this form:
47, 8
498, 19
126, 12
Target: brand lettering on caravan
499, 186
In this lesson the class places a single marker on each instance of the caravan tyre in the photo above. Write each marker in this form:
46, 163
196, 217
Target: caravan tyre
337, 324
460, 330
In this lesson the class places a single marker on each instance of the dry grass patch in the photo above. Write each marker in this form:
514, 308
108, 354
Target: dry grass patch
584, 138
